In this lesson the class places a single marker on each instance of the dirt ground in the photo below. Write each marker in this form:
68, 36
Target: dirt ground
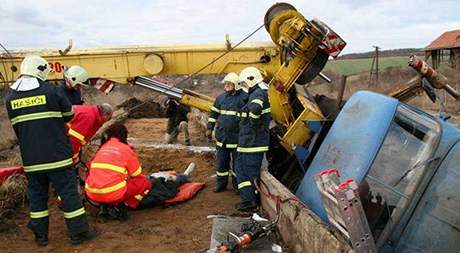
153, 131
180, 228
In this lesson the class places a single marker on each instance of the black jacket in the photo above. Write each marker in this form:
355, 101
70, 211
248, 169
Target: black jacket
225, 117
176, 113
38, 117
74, 96
254, 124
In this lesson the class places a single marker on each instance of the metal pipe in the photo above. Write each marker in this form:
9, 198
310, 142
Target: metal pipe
324, 77
159, 87
437, 79
343, 82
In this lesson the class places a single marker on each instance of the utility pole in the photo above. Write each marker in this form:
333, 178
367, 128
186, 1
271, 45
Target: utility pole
374, 73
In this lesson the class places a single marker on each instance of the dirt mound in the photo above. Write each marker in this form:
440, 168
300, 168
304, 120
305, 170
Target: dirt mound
142, 109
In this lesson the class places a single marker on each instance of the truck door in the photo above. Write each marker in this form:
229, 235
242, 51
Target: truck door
435, 223
400, 164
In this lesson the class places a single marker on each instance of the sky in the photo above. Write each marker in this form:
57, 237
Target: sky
389, 24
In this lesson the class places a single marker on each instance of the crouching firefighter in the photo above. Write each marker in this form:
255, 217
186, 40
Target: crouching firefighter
85, 123
224, 118
116, 181
253, 137
38, 111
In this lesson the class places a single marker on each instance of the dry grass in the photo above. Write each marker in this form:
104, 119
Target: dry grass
393, 79
12, 196
12, 192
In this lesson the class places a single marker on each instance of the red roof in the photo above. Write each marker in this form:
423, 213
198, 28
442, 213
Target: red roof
450, 39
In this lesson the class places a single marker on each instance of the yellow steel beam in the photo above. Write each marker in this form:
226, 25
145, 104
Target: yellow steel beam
123, 64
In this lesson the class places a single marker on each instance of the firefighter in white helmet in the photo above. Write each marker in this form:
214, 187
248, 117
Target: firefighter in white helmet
38, 112
224, 118
253, 137
74, 78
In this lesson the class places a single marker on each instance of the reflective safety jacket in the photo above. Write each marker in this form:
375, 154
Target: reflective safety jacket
84, 125
73, 95
225, 118
254, 123
38, 116
111, 170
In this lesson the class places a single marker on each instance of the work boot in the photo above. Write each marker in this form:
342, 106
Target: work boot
220, 188
41, 239
84, 236
118, 212
246, 206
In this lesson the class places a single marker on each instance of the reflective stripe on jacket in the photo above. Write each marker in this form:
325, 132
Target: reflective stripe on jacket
254, 133
114, 164
225, 117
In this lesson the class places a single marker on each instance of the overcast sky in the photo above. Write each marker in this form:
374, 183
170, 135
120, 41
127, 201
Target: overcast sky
96, 23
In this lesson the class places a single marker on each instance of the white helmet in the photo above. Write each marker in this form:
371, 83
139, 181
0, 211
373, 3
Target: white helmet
232, 78
251, 76
76, 75
36, 66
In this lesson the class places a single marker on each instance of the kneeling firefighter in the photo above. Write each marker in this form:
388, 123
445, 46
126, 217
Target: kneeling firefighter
224, 117
253, 137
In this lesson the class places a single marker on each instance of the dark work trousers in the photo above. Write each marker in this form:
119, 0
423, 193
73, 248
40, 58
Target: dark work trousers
226, 158
66, 186
161, 191
247, 170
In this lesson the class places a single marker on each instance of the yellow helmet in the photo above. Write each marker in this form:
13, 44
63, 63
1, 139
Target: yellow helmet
76, 75
251, 76
232, 78
36, 66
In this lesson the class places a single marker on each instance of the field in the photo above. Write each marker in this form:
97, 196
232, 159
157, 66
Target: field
355, 66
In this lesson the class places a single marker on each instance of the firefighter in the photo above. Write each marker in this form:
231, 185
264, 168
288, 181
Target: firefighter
224, 118
115, 177
74, 78
86, 122
177, 121
38, 112
253, 137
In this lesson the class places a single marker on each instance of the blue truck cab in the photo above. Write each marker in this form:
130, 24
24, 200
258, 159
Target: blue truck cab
407, 165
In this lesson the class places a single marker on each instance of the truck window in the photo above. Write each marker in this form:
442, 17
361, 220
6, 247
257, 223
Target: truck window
400, 163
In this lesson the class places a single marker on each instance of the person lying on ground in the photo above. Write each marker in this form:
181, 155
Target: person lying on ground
115, 177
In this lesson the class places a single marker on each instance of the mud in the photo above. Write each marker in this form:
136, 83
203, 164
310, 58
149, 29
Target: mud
180, 228
142, 109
